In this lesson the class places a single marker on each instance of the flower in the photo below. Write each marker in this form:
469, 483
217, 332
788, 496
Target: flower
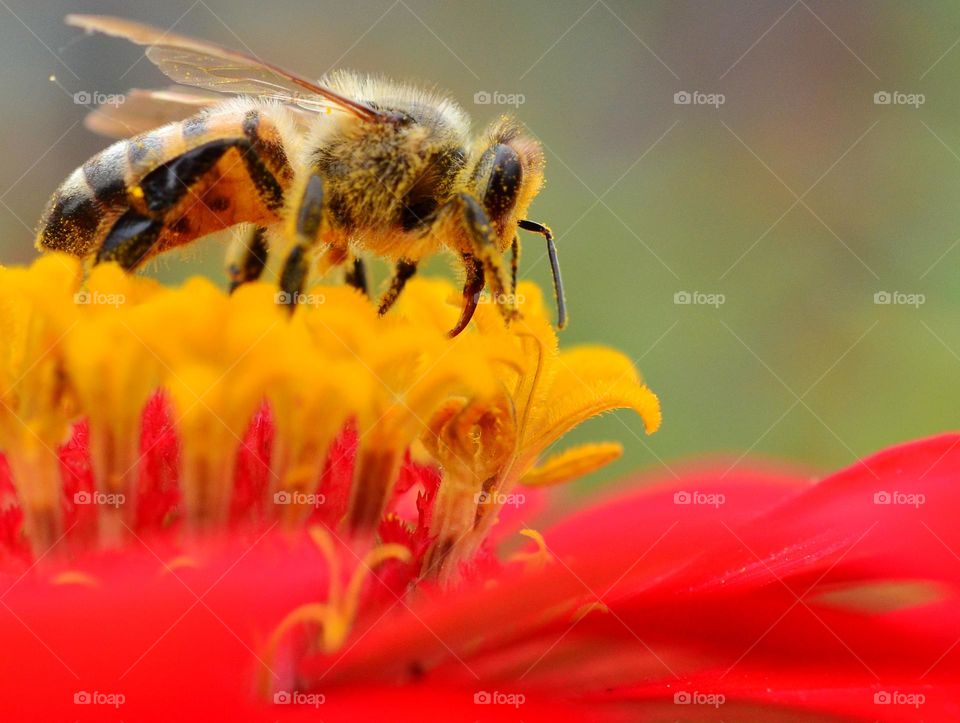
183, 418
214, 511
492, 400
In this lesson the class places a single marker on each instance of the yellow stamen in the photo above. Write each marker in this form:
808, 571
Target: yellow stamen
336, 616
581, 612
75, 577
179, 563
538, 558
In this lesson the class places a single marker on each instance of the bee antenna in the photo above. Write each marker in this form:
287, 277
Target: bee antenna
557, 282
554, 267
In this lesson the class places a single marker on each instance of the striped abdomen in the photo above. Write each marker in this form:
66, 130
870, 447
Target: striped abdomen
211, 171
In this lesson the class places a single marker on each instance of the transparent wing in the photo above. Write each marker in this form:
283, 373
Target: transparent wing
212, 67
213, 73
145, 110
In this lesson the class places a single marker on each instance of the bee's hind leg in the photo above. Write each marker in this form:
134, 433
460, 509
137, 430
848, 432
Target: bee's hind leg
130, 241
246, 256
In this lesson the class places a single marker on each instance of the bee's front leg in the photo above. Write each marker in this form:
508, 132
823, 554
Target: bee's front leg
472, 288
482, 237
401, 274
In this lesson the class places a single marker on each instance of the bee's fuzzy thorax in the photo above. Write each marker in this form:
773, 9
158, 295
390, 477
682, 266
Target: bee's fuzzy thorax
430, 106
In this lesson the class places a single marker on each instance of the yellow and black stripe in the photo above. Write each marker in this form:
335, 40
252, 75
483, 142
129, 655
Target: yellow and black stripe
170, 186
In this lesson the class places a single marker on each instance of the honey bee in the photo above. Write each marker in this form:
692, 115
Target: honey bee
331, 170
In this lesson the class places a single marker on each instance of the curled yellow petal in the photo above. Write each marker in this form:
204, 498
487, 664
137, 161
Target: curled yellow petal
573, 463
591, 380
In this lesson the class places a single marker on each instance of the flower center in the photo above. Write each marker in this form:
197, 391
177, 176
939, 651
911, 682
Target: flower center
128, 408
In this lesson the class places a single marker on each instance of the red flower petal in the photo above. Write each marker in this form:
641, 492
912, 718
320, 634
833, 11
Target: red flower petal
731, 588
702, 594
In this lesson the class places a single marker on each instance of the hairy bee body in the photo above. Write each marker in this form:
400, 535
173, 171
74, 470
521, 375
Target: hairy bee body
375, 168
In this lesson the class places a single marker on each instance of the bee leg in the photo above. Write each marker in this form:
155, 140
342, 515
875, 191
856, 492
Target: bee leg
514, 263
356, 275
480, 232
554, 266
307, 221
247, 256
401, 273
472, 288
130, 240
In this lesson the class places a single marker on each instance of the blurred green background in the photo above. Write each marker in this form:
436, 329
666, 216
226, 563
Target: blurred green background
798, 198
